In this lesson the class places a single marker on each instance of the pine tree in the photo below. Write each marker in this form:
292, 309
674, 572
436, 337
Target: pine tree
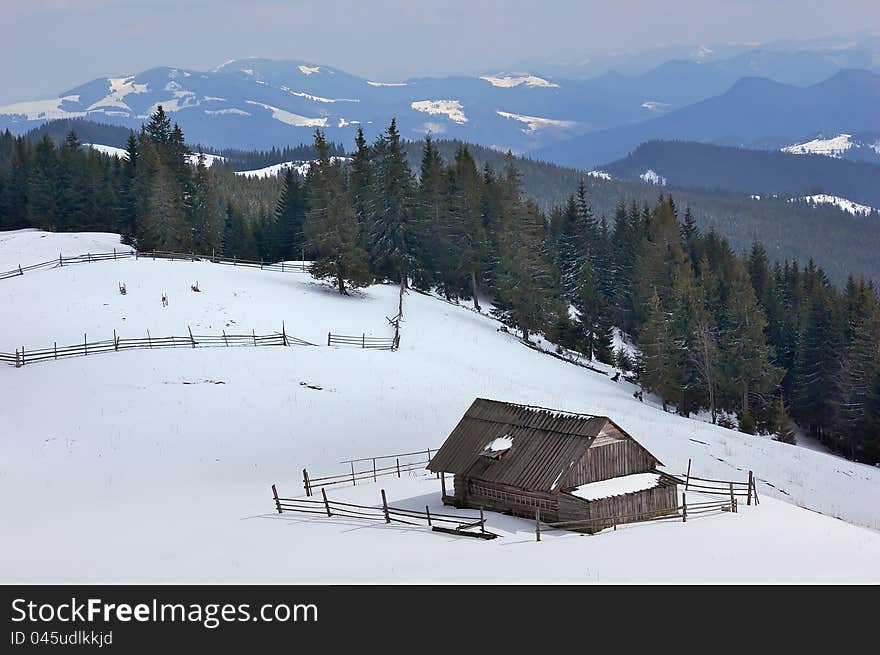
596, 331
207, 212
747, 359
782, 424
435, 252
392, 228
466, 234
658, 360
331, 225
288, 241
524, 276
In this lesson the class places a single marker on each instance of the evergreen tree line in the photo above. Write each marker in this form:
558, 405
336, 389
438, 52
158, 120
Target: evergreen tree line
733, 336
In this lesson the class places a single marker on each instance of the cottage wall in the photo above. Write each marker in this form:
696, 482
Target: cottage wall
610, 458
628, 508
496, 497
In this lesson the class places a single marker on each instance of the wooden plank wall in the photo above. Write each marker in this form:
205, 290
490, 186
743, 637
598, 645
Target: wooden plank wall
629, 508
610, 460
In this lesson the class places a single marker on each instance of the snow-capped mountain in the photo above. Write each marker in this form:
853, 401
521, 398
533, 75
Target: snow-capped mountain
259, 103
865, 147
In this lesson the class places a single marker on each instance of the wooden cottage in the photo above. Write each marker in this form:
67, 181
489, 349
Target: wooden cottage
517, 459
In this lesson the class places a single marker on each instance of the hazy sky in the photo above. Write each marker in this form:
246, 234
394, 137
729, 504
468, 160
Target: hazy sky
51, 45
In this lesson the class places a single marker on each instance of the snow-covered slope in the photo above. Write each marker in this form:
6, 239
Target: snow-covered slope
157, 465
122, 153
844, 204
840, 146
299, 167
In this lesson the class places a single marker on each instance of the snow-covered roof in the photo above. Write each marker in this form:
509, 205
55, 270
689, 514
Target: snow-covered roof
625, 484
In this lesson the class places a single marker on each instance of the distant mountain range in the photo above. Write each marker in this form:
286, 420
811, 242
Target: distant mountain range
577, 120
706, 167
755, 112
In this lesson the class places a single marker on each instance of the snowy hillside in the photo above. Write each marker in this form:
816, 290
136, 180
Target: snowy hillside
844, 204
839, 146
157, 465
122, 153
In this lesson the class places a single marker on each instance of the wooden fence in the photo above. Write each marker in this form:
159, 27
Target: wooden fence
283, 267
369, 468
60, 262
362, 341
88, 258
731, 488
23, 356
447, 523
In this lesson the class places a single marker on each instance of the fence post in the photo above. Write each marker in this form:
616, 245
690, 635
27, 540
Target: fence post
482, 521
275, 496
85, 344
114, 254
385, 507
537, 524
326, 502
732, 500
254, 335
428, 514
363, 340
398, 467
688, 479
17, 362
225, 340
684, 508
20, 272
22, 355
442, 485
755, 490
60, 260
749, 499
306, 484
115, 340
353, 481
55, 348
149, 340
282, 265
328, 338
192, 341
283, 333
374, 469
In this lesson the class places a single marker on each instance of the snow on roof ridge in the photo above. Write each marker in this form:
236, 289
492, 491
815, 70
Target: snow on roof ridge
539, 408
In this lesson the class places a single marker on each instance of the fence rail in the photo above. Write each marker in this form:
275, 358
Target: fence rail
376, 467
730, 488
61, 261
362, 341
23, 356
88, 258
438, 522
283, 267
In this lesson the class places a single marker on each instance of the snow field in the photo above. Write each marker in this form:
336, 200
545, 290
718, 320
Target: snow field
156, 466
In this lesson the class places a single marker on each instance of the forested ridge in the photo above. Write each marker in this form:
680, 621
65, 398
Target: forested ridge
748, 341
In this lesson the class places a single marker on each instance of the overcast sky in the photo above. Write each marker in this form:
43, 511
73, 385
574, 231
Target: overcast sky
49, 46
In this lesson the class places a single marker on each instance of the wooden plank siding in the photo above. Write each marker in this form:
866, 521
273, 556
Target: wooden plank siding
627, 508
611, 459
